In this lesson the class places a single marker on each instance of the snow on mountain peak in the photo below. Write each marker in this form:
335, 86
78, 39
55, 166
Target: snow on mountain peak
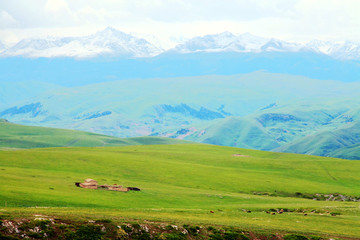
227, 41
109, 42
115, 43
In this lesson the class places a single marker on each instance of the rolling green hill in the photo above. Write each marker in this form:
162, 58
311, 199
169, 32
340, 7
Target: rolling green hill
351, 152
259, 110
342, 142
183, 183
304, 128
237, 132
20, 136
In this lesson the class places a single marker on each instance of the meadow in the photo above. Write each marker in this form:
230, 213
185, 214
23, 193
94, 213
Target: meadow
182, 184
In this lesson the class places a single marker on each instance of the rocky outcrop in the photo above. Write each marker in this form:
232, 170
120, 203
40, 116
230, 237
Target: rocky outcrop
34, 109
203, 113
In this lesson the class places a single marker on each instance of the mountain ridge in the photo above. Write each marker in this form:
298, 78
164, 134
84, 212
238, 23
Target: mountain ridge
258, 110
108, 42
114, 43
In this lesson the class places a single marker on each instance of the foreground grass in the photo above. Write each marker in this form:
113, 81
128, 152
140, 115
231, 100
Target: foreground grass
182, 184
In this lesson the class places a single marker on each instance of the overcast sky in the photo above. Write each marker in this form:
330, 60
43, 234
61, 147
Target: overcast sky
298, 20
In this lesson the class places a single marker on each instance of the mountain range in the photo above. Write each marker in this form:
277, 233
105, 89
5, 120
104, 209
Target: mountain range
258, 110
113, 43
108, 42
224, 89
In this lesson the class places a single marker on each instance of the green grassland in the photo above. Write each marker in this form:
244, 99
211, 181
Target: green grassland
182, 184
20, 136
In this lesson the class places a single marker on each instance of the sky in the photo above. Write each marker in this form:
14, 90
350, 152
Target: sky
176, 20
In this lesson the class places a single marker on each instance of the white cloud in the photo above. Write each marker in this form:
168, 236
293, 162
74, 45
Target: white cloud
290, 19
54, 6
7, 20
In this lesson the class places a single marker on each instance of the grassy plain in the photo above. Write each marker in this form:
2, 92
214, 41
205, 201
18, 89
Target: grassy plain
182, 184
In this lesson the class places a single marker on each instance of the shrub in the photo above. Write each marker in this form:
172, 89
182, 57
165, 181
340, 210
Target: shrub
121, 234
216, 236
169, 227
103, 221
34, 235
43, 224
193, 230
136, 226
89, 232
141, 236
295, 237
315, 238
175, 236
126, 228
4, 237
335, 213
235, 236
210, 228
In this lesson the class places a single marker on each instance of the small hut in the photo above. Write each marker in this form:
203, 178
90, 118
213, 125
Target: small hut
92, 184
118, 188
89, 183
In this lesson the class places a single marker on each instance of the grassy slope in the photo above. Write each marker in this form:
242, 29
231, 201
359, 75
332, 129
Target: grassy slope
19, 136
182, 183
335, 143
351, 152
236, 131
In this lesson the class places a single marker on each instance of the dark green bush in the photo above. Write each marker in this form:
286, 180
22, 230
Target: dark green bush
35, 235
4, 237
295, 237
211, 228
141, 236
69, 235
193, 230
335, 213
216, 236
126, 228
136, 226
103, 221
315, 238
89, 232
43, 224
235, 236
175, 236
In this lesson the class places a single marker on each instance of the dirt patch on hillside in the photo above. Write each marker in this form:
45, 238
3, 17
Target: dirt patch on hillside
240, 155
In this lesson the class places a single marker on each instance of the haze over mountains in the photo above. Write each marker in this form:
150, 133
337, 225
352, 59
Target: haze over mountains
234, 90
258, 110
114, 43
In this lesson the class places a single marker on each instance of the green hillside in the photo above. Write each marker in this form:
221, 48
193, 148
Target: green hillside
304, 128
351, 152
259, 110
182, 184
237, 132
342, 142
20, 136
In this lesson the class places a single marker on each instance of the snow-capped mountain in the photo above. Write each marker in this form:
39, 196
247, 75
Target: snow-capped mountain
338, 50
109, 42
208, 43
275, 45
235, 43
228, 42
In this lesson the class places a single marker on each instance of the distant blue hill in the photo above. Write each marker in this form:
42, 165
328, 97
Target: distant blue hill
75, 72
